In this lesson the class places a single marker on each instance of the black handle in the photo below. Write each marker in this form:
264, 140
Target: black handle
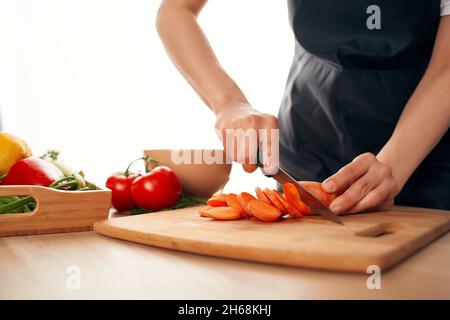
260, 164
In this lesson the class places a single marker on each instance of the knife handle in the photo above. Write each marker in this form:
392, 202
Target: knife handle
260, 164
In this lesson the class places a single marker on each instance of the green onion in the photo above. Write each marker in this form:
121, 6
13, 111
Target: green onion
17, 206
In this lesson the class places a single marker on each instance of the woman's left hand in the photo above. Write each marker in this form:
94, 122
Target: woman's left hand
366, 183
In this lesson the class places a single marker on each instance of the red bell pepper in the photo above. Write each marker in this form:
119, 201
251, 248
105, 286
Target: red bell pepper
32, 171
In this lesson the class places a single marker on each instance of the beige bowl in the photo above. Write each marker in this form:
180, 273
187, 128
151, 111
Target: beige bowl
201, 172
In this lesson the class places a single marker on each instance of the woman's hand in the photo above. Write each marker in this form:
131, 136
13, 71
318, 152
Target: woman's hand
371, 183
242, 117
366, 183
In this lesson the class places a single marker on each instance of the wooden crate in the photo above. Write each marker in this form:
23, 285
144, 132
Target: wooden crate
56, 210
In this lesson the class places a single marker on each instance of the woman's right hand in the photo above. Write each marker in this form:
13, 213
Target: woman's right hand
241, 115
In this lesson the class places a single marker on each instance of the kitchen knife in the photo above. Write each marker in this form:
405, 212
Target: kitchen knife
307, 197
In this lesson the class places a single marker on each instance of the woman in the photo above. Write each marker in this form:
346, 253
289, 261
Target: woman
366, 107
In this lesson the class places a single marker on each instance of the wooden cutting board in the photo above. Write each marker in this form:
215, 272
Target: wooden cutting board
382, 238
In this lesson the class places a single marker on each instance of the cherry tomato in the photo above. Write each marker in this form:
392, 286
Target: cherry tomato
120, 185
32, 171
156, 190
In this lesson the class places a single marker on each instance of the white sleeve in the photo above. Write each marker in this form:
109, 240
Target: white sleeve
445, 7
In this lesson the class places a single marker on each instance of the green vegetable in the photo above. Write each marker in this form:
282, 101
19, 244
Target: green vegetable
65, 183
6, 200
136, 211
52, 157
184, 202
28, 204
16, 204
71, 181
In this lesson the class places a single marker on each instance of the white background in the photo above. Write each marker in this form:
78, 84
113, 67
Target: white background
91, 77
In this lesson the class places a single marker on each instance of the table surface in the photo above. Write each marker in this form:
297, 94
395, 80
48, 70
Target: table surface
44, 266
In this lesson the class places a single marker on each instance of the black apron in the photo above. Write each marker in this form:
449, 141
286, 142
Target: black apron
349, 84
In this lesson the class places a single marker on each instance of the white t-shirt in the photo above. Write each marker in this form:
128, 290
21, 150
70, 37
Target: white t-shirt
445, 7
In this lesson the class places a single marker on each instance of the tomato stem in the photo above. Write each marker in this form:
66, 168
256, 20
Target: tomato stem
127, 172
150, 164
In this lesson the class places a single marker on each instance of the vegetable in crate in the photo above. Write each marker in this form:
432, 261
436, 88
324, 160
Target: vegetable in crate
17, 204
45, 171
28, 204
32, 171
52, 157
12, 149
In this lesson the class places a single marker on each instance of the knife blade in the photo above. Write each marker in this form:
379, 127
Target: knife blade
307, 197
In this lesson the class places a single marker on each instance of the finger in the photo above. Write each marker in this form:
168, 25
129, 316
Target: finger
230, 145
274, 147
386, 205
241, 149
349, 173
249, 167
220, 134
357, 191
269, 146
378, 198
245, 142
249, 147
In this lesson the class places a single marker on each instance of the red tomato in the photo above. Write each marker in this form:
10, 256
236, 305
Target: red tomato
156, 190
32, 171
120, 185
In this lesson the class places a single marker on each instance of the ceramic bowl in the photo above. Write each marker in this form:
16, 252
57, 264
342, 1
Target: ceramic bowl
201, 172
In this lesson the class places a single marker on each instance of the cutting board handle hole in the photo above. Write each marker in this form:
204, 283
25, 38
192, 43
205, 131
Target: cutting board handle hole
378, 231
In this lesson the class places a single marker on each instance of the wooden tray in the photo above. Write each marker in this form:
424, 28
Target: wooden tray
56, 211
380, 238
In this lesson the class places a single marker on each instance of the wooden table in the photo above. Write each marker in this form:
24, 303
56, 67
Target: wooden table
36, 267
